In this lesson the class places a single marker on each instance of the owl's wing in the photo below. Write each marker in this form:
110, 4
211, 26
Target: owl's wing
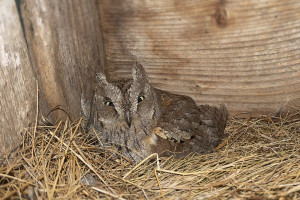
179, 117
182, 119
213, 122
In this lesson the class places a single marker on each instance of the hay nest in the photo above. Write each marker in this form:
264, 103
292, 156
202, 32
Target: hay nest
260, 160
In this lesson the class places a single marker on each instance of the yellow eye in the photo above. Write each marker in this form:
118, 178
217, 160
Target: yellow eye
109, 103
140, 98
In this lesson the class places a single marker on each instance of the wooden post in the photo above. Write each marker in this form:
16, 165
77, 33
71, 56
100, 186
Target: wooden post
65, 43
53, 45
17, 79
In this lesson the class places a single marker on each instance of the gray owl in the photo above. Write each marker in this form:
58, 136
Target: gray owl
141, 119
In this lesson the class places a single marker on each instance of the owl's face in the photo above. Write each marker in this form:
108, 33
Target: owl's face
126, 104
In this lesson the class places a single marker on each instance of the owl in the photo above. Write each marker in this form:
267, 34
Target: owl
140, 119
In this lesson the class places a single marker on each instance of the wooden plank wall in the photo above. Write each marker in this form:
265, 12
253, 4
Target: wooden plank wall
65, 43
17, 79
243, 53
53, 45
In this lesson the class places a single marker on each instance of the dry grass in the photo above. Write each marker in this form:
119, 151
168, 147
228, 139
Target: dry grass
260, 160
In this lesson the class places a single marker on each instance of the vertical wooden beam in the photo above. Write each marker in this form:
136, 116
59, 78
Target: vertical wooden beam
56, 45
66, 45
17, 79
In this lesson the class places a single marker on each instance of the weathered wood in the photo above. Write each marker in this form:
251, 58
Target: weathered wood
17, 79
65, 43
242, 53
59, 50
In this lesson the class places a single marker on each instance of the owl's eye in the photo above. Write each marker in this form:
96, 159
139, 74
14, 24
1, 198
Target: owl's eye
109, 103
140, 98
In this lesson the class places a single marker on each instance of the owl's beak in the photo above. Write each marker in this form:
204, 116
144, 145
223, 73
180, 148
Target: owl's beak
128, 118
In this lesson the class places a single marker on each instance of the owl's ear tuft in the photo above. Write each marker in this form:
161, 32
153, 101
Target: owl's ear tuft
101, 79
103, 84
138, 73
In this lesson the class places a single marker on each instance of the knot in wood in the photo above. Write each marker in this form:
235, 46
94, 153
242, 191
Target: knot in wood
221, 17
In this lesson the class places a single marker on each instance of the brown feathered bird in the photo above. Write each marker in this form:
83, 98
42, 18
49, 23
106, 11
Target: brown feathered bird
141, 119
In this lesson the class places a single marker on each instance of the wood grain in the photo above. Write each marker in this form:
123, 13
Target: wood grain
17, 80
53, 45
245, 54
65, 43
